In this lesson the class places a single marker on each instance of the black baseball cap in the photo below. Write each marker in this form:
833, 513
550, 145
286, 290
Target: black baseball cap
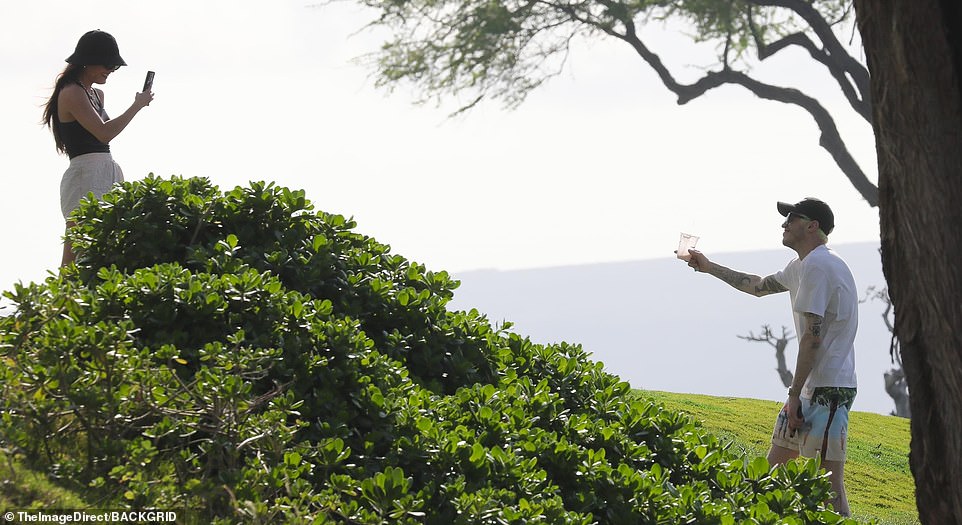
813, 209
96, 48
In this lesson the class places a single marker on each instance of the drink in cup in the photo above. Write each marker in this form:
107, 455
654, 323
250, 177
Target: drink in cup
686, 242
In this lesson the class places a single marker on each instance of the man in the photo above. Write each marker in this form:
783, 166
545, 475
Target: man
814, 420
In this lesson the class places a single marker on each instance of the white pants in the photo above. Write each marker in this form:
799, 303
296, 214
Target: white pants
91, 173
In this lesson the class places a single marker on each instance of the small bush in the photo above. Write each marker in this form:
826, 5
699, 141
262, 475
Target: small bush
241, 356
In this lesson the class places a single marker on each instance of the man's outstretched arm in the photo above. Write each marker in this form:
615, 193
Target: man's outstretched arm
746, 282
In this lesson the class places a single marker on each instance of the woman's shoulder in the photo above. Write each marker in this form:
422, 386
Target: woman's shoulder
72, 88
73, 92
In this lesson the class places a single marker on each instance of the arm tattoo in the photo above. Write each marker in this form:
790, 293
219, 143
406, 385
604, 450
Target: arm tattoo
737, 279
769, 285
814, 325
743, 281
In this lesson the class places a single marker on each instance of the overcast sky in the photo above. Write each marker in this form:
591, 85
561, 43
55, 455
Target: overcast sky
600, 164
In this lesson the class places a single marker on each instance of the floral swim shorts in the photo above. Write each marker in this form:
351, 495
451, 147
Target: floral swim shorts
825, 431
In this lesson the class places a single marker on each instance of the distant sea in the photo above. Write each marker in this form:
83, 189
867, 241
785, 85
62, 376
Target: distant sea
660, 326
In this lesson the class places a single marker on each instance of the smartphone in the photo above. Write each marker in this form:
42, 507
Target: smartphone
148, 82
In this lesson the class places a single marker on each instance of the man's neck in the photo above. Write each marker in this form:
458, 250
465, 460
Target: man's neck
803, 251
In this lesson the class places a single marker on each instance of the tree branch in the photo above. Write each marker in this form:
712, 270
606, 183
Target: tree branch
856, 95
830, 140
504, 65
823, 30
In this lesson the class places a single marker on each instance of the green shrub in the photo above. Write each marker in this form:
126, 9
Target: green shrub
243, 357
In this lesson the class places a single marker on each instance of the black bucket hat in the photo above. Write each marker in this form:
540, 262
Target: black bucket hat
813, 209
96, 48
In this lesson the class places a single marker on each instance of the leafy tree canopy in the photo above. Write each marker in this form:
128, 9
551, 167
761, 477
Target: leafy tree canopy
244, 358
503, 49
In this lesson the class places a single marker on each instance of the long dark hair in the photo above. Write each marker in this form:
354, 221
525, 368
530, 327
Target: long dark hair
70, 74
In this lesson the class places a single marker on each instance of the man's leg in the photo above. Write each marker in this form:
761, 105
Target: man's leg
784, 440
828, 439
836, 474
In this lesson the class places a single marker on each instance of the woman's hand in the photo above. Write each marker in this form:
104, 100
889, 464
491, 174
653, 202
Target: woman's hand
144, 99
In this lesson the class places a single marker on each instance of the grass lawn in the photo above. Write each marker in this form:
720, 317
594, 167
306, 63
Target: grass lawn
877, 475
22, 488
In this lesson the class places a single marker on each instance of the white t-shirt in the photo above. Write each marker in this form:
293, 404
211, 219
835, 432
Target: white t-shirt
822, 284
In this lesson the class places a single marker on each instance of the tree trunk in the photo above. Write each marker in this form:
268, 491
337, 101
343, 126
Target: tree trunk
915, 59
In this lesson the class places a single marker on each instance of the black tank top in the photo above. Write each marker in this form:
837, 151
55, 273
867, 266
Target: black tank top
76, 139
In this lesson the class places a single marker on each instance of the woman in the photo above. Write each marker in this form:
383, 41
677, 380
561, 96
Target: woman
81, 128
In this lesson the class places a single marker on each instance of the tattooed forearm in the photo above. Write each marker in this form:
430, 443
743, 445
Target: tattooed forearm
769, 285
808, 346
748, 283
737, 279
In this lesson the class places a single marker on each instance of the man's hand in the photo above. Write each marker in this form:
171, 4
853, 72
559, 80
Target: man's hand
795, 417
698, 261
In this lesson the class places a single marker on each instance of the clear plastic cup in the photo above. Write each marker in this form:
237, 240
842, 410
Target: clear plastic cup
686, 242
